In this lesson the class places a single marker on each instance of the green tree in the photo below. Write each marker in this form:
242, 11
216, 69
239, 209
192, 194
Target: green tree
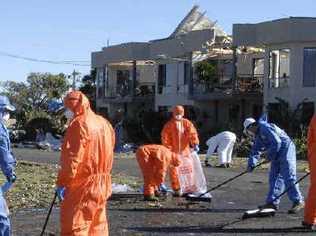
31, 97
206, 73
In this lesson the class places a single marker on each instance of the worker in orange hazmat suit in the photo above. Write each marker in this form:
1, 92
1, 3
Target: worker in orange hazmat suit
154, 161
178, 135
84, 179
310, 205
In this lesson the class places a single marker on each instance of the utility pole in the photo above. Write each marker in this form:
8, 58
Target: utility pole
74, 74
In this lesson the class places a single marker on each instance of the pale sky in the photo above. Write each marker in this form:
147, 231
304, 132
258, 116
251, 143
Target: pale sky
63, 30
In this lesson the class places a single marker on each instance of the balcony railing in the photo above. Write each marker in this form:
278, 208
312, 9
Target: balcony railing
248, 84
244, 84
125, 92
282, 82
145, 89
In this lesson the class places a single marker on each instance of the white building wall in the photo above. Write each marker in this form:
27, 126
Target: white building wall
295, 93
175, 92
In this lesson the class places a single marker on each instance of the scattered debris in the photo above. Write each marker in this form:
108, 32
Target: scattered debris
50, 143
121, 188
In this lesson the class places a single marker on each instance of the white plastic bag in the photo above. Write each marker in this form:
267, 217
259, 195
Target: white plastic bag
191, 175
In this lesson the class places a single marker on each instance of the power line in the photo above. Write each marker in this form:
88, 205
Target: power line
65, 62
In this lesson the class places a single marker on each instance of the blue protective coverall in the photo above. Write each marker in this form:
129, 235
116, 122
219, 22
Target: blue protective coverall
282, 154
7, 165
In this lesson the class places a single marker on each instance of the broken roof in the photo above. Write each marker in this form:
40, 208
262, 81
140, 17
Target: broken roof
194, 33
196, 20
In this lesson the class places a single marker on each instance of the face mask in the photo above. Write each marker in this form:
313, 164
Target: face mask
178, 117
6, 116
69, 114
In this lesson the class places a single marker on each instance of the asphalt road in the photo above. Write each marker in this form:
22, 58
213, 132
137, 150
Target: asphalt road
174, 216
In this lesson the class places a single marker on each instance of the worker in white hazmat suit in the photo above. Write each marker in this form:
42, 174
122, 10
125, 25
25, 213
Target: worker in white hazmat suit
224, 143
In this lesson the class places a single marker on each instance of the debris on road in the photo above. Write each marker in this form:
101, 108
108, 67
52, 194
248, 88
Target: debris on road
121, 188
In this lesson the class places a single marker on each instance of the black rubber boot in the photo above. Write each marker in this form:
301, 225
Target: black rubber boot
297, 207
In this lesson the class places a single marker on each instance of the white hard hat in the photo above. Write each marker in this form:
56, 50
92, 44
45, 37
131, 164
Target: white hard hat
248, 122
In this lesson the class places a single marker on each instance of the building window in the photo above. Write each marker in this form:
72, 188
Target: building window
161, 78
309, 67
279, 68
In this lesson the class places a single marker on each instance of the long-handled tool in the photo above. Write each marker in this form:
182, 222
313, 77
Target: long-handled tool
48, 214
200, 197
268, 212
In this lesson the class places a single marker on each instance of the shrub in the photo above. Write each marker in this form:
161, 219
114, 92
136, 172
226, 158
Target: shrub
301, 144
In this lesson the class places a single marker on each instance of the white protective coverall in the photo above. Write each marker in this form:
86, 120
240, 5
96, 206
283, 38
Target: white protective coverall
224, 142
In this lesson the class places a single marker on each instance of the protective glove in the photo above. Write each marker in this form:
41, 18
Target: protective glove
60, 191
196, 148
11, 179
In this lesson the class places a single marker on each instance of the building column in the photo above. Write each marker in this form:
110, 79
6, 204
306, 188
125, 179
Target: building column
234, 74
243, 109
134, 79
190, 82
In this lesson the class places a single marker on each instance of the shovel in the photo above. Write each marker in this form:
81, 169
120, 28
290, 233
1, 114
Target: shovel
269, 212
201, 198
48, 214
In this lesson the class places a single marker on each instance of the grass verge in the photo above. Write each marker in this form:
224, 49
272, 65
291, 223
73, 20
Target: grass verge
35, 185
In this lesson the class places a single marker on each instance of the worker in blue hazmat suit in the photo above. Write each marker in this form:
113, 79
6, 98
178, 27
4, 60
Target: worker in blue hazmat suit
282, 154
7, 163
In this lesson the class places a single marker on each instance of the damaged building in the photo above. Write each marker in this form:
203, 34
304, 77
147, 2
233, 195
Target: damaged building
196, 66
289, 61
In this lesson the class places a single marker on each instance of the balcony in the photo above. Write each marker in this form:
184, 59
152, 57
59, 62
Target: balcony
124, 93
245, 85
250, 84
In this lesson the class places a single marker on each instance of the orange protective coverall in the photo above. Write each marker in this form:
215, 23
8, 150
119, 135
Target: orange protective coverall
154, 161
178, 136
310, 204
86, 164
